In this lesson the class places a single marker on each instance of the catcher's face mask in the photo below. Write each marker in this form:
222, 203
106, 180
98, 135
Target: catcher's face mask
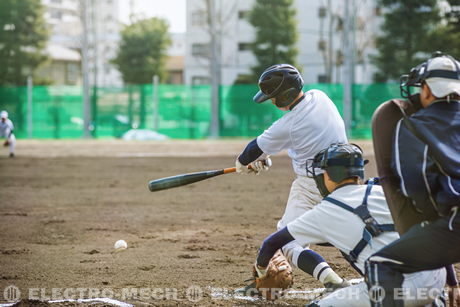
315, 171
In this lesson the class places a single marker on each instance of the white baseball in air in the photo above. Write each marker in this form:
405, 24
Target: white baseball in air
120, 245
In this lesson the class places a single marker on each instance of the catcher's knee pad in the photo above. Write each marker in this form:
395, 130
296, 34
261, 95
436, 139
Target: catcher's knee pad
383, 283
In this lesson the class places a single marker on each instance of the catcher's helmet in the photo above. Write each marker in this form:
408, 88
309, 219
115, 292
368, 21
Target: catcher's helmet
282, 82
441, 72
341, 161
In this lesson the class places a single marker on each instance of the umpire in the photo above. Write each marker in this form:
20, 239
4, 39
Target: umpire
421, 178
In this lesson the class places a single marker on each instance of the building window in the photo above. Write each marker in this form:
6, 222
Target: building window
56, 15
199, 18
243, 15
322, 79
200, 49
244, 46
197, 80
72, 73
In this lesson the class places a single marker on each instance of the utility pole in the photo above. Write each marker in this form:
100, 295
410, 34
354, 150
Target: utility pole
30, 109
349, 64
330, 47
85, 72
215, 71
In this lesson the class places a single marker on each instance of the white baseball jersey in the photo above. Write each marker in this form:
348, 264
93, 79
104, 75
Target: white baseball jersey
5, 128
312, 125
328, 223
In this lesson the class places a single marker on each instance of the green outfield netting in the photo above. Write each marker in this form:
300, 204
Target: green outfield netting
183, 111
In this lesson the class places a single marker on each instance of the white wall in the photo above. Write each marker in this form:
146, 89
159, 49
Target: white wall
235, 31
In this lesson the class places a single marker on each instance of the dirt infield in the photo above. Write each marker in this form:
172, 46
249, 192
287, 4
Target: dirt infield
64, 204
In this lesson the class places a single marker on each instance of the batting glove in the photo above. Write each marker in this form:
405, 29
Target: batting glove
261, 165
242, 169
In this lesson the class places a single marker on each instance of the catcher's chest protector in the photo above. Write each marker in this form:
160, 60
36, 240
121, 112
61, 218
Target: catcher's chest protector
371, 228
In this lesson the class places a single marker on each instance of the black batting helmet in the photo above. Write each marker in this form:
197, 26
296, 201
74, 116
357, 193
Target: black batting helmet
282, 82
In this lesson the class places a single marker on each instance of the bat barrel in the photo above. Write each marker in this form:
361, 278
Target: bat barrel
181, 180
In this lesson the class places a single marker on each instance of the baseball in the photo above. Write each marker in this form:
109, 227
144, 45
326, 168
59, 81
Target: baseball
121, 245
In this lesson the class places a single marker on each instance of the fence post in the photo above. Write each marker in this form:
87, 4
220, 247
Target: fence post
142, 113
349, 63
155, 102
29, 107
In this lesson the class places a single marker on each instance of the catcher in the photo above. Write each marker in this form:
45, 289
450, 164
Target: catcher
354, 218
6, 131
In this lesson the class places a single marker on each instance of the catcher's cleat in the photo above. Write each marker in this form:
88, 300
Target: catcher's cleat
331, 287
248, 290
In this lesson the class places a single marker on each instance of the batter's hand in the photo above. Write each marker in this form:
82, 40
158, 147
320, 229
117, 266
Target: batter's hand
242, 169
261, 165
454, 296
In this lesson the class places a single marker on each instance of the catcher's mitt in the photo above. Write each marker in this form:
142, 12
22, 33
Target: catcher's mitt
7, 143
277, 278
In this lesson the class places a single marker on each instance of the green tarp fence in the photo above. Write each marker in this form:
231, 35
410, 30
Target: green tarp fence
183, 111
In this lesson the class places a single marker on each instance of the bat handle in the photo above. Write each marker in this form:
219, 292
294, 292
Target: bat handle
233, 169
229, 170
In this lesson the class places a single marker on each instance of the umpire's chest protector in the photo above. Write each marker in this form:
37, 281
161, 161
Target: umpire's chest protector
428, 164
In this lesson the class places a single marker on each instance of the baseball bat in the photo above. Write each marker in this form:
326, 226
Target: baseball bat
184, 179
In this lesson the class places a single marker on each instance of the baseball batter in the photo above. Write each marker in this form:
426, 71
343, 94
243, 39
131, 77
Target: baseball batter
354, 218
312, 122
6, 131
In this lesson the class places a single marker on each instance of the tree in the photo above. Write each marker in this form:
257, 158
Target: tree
23, 37
142, 50
446, 36
276, 34
405, 41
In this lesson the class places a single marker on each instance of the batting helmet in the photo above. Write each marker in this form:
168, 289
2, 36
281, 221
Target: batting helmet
282, 82
441, 72
341, 161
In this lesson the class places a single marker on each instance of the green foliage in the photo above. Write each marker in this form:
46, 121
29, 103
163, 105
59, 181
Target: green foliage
276, 34
446, 36
23, 36
405, 41
142, 50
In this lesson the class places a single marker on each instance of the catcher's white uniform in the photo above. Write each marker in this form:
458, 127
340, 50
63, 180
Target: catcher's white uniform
328, 223
312, 125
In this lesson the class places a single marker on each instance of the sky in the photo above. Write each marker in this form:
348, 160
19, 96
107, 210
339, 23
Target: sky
171, 10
